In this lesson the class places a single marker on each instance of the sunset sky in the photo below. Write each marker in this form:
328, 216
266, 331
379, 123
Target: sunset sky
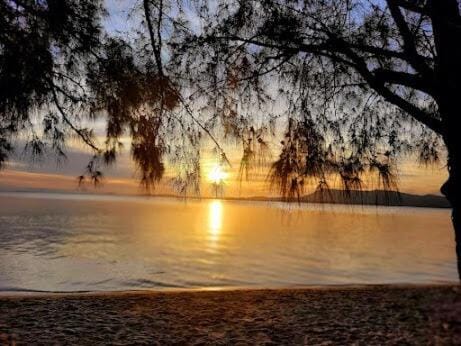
22, 173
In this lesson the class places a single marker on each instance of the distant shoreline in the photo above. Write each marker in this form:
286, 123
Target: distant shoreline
366, 198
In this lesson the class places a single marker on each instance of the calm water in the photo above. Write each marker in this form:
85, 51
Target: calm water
72, 243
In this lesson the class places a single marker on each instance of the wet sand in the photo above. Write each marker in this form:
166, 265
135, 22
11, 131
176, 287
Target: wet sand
367, 315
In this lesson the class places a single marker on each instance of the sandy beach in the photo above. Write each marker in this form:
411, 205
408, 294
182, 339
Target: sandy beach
335, 315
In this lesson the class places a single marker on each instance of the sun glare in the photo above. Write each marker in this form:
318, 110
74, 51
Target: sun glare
217, 175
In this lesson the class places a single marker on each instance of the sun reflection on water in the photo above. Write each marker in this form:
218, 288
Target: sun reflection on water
215, 220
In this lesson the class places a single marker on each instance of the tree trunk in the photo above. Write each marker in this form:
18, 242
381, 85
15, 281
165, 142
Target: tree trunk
446, 24
452, 189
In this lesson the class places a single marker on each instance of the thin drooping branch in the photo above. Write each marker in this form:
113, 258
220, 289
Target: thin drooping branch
155, 45
198, 122
159, 28
80, 132
157, 52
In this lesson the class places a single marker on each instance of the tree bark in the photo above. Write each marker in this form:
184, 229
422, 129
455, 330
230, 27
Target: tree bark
446, 24
452, 189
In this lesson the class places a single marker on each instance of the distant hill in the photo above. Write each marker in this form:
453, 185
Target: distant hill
374, 197
377, 197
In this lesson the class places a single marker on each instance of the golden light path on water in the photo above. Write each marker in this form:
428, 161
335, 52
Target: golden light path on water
215, 214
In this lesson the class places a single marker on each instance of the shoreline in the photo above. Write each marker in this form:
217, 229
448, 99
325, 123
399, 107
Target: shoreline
26, 293
363, 314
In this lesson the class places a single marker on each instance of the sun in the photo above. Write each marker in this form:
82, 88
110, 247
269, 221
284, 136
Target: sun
217, 175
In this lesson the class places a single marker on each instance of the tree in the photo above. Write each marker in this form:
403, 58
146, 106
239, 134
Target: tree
58, 64
363, 81
43, 49
358, 82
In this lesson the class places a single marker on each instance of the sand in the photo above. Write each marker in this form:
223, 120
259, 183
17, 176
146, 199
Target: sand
368, 315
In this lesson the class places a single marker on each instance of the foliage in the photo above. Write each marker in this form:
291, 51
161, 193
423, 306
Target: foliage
353, 83
353, 79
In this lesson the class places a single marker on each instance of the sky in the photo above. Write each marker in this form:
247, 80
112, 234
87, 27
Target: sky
47, 175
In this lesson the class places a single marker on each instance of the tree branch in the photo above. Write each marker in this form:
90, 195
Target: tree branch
412, 5
81, 133
386, 53
406, 79
335, 47
409, 47
378, 86
155, 45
